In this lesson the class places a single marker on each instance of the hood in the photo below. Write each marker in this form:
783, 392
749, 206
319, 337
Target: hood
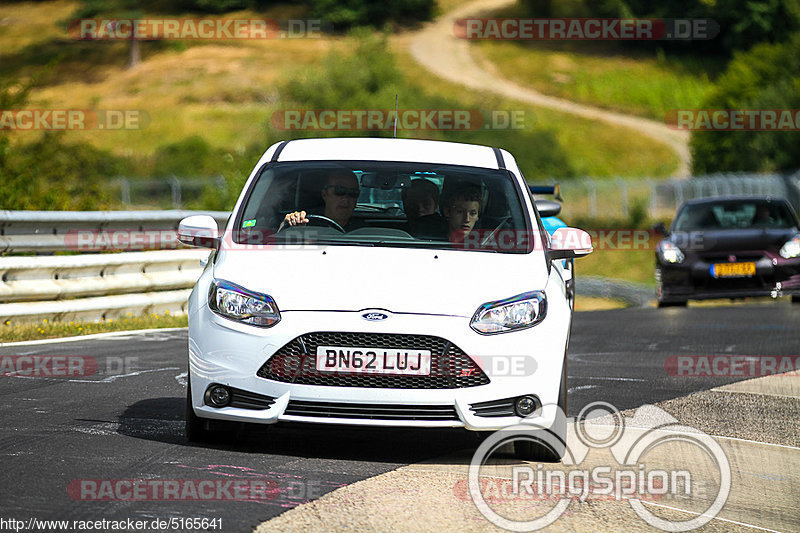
399, 280
732, 240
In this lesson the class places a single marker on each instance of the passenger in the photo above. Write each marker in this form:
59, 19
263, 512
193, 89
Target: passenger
462, 210
421, 204
763, 216
340, 194
420, 199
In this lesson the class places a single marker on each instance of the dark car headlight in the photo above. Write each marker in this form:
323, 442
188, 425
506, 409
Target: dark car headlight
237, 303
520, 312
670, 252
791, 248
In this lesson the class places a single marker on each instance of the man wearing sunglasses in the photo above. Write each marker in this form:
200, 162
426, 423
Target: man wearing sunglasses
340, 194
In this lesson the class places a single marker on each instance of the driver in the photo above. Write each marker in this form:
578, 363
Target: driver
340, 194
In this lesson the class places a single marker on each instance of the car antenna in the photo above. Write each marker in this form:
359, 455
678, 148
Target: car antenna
395, 116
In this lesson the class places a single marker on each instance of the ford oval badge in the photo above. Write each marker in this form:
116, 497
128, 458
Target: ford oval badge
373, 317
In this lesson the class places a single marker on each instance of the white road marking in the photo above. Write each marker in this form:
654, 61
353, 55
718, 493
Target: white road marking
106, 335
606, 378
582, 387
714, 517
697, 431
753, 392
181, 378
115, 377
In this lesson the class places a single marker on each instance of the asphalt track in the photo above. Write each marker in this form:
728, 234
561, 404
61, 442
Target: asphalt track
125, 421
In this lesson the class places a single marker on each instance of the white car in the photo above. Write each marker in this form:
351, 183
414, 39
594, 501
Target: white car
327, 301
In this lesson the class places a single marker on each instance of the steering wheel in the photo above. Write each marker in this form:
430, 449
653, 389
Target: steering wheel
328, 222
492, 233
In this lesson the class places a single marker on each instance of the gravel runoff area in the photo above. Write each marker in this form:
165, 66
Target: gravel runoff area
754, 422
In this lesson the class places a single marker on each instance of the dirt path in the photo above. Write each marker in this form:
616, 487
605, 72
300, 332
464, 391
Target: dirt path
437, 48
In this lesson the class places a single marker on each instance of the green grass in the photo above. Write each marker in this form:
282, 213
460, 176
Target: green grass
11, 331
637, 84
630, 265
226, 92
591, 148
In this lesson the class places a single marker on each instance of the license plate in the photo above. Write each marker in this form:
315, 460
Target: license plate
374, 360
733, 270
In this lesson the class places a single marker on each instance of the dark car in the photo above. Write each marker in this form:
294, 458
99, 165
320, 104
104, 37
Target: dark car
729, 247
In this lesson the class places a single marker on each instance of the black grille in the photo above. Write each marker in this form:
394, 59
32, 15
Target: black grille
494, 408
295, 362
364, 411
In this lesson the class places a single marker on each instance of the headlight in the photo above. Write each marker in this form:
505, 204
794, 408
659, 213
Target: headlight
791, 248
519, 312
671, 253
237, 303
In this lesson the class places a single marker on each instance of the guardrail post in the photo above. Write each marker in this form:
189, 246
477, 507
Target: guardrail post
623, 196
175, 185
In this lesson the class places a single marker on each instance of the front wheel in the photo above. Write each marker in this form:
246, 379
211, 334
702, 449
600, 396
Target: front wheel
681, 303
206, 430
548, 445
196, 430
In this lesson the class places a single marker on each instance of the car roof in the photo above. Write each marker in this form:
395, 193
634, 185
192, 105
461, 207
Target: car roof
725, 199
382, 149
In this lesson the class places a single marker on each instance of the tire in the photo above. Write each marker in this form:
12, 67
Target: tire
679, 303
570, 289
540, 447
195, 426
203, 429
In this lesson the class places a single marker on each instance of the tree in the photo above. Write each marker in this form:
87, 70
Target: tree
766, 77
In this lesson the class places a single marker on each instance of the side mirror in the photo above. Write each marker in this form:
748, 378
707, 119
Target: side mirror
199, 230
568, 243
661, 229
548, 208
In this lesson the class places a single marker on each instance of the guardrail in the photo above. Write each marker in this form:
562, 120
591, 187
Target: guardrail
94, 286
51, 231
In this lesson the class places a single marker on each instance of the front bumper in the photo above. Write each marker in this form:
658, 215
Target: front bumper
527, 362
693, 280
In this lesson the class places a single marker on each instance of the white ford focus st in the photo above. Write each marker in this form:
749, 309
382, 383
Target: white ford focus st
381, 282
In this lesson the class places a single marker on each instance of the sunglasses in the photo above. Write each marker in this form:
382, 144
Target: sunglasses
341, 190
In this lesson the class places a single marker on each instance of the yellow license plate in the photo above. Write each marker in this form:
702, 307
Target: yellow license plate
733, 270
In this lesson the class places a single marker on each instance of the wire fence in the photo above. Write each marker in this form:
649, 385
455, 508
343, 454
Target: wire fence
658, 199
583, 197
171, 191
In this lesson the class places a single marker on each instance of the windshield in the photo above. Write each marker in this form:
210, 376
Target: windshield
371, 203
739, 214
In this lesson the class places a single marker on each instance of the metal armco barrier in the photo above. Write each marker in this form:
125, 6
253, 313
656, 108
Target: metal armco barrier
97, 285
52, 231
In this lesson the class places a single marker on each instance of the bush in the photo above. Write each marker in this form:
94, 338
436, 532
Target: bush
368, 78
742, 23
50, 174
766, 77
345, 14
